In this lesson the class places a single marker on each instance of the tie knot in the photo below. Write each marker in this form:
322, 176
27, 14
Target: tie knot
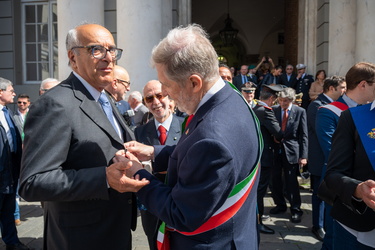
162, 129
286, 110
5, 108
103, 99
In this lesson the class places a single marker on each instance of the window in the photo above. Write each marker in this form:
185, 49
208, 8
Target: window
39, 34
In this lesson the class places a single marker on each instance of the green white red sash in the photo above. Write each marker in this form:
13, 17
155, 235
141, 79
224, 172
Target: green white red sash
231, 206
336, 107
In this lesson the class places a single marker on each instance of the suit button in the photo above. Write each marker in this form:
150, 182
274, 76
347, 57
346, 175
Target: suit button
130, 201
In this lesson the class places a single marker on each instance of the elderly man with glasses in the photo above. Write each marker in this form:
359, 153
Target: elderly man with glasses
72, 133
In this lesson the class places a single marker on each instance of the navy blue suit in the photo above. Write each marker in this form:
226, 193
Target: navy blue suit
9, 172
237, 81
292, 147
303, 85
292, 80
147, 134
316, 160
211, 157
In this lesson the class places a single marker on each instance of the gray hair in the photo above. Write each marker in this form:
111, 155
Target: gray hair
136, 95
47, 80
288, 93
186, 51
4, 83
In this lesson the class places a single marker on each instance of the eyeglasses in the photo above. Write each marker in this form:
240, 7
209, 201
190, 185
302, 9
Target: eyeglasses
289, 68
150, 99
123, 82
248, 91
99, 52
11, 91
24, 103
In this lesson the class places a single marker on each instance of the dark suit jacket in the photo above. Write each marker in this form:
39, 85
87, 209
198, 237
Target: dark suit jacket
295, 135
316, 154
270, 128
303, 85
9, 162
147, 133
348, 165
237, 81
68, 144
208, 161
292, 81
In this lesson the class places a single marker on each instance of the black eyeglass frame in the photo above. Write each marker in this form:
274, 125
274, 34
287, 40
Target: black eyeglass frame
117, 51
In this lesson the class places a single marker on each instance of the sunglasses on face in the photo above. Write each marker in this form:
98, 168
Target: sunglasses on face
150, 99
22, 103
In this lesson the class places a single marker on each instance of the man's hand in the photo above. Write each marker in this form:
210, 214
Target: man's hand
366, 192
118, 180
141, 151
302, 161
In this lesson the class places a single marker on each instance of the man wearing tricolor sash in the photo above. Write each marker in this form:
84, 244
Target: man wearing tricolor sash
209, 198
350, 171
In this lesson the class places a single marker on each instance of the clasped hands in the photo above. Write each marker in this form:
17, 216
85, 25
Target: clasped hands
120, 174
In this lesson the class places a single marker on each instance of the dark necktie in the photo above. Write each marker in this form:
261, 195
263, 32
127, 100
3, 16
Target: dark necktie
244, 79
107, 108
12, 128
163, 135
285, 120
188, 120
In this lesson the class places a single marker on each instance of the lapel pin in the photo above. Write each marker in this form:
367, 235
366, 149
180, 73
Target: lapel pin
187, 132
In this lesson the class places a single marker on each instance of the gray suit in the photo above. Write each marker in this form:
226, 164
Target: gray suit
148, 135
18, 122
68, 144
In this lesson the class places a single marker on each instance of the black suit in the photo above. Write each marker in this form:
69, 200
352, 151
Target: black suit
9, 173
69, 142
237, 81
287, 153
147, 134
270, 128
289, 83
348, 165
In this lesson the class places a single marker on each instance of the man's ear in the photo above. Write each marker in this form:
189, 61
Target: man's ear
196, 82
72, 59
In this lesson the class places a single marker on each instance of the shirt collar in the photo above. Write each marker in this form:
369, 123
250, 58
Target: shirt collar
349, 101
372, 105
329, 98
219, 84
166, 124
93, 91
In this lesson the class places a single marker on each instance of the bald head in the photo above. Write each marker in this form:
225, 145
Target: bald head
120, 84
155, 101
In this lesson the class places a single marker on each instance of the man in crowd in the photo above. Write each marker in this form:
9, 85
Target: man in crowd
117, 91
271, 131
78, 130
47, 84
135, 102
163, 129
290, 155
225, 73
289, 77
248, 91
252, 77
23, 103
303, 84
333, 88
211, 158
241, 78
326, 122
10, 160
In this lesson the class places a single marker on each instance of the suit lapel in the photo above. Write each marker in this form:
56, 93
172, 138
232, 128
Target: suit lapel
92, 109
291, 118
174, 132
152, 135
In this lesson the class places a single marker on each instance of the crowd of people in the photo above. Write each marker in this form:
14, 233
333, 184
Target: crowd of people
176, 152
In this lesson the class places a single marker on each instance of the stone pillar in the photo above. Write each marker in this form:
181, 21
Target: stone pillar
342, 36
70, 14
365, 36
140, 27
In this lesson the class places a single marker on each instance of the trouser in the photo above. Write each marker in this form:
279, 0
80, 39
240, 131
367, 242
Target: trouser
8, 226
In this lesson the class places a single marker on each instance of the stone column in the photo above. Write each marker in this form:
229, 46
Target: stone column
140, 26
365, 36
70, 14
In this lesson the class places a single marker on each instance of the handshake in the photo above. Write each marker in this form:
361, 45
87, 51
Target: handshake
121, 174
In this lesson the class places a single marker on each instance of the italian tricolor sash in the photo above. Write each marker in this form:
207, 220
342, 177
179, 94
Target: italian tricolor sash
364, 120
336, 107
231, 206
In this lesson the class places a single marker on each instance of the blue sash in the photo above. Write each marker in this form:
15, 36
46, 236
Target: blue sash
364, 120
